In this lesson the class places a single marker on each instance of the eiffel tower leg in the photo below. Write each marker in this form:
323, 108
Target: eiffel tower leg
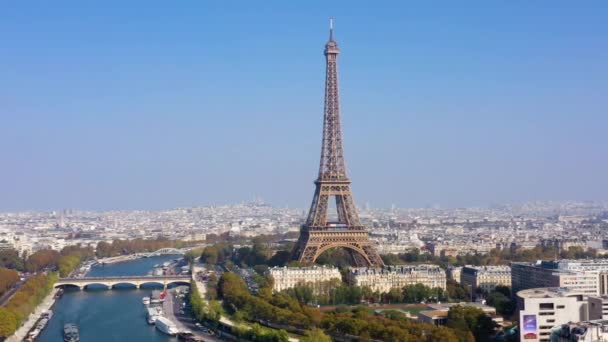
309, 255
359, 259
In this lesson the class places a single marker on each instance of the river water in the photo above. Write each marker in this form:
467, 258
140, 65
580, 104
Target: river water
107, 315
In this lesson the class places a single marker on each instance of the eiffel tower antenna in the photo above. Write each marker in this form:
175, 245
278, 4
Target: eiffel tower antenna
318, 234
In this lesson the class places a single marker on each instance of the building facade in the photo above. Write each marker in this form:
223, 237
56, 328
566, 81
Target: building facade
383, 279
590, 331
485, 277
454, 273
598, 307
546, 274
541, 309
288, 277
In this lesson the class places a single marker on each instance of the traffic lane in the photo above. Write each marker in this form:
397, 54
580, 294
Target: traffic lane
188, 321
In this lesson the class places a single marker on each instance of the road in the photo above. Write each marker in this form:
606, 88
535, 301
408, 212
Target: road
10, 293
184, 322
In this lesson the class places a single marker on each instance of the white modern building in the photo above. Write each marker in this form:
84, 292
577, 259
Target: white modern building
542, 309
590, 331
525, 275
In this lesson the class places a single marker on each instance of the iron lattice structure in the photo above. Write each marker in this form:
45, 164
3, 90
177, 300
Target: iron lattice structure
318, 234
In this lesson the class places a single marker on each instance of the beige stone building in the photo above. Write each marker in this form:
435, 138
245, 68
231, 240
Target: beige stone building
485, 277
383, 279
288, 277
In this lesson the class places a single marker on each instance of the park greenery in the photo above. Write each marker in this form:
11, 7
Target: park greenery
392, 326
25, 300
289, 310
470, 323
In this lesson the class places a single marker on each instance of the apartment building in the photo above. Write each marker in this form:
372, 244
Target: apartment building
288, 277
485, 277
383, 279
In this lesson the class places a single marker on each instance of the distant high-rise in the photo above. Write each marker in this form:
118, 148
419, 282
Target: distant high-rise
319, 234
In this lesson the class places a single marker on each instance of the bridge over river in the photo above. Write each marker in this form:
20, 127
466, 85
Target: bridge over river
136, 281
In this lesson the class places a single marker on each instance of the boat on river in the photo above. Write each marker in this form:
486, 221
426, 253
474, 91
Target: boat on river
70, 333
165, 325
153, 313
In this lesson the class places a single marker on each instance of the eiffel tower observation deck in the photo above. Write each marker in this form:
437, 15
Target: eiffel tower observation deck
322, 232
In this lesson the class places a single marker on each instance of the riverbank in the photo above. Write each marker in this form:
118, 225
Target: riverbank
46, 304
117, 259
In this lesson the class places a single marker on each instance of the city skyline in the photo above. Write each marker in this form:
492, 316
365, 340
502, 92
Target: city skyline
126, 117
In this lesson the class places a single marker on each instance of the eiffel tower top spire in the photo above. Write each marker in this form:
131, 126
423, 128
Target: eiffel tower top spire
332, 166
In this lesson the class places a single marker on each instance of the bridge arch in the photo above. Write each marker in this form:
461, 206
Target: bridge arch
130, 283
149, 283
178, 282
67, 286
86, 285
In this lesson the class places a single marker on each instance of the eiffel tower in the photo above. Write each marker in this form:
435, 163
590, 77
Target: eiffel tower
318, 234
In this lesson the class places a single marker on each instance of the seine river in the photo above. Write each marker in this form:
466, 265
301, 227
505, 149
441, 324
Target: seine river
107, 315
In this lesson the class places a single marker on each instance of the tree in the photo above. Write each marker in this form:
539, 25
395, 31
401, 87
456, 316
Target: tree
316, 335
469, 319
9, 258
505, 290
210, 255
8, 278
41, 260
456, 292
8, 322
502, 304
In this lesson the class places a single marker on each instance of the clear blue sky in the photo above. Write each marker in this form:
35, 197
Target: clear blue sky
156, 104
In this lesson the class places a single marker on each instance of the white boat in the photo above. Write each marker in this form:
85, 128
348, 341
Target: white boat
165, 325
146, 300
48, 314
153, 313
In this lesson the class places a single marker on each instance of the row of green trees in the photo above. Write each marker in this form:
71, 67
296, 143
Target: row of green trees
288, 309
336, 293
203, 310
8, 278
71, 256
210, 313
494, 257
276, 308
25, 300
64, 261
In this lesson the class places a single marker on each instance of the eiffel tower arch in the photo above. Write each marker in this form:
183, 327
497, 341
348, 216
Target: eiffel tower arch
318, 233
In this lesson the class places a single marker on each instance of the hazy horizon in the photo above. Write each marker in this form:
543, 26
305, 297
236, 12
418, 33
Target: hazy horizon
150, 106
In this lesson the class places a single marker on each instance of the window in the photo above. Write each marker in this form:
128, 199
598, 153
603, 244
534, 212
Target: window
546, 306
